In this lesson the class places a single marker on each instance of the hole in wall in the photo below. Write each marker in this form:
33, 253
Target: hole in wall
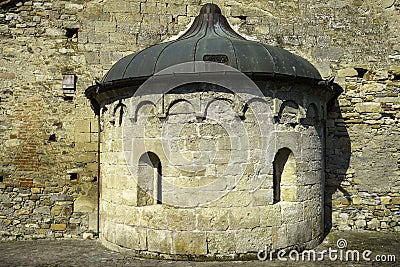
1, 178
361, 72
73, 176
396, 76
388, 116
71, 32
52, 138
240, 17
58, 124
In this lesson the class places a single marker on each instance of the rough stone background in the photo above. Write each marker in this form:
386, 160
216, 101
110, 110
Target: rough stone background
48, 142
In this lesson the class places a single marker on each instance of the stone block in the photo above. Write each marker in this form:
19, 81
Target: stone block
181, 219
299, 232
193, 10
374, 224
108, 230
87, 236
123, 17
244, 218
55, 32
128, 29
248, 241
132, 216
82, 126
92, 222
212, 219
368, 107
36, 190
129, 197
63, 210
270, 215
360, 224
177, 9
98, 38
233, 199
262, 197
348, 72
289, 193
85, 204
373, 87
58, 227
130, 237
396, 200
221, 242
150, 8
312, 209
309, 177
394, 69
105, 26
82, 137
159, 241
130, 8
7, 75
278, 237
42, 231
291, 211
42, 210
92, 57
154, 217
190, 243
386, 200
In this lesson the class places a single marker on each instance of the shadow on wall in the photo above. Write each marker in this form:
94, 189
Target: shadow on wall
338, 153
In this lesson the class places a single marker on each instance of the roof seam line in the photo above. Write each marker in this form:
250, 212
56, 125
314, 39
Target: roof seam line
270, 55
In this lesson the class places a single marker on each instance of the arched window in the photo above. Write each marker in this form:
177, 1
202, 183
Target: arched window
284, 182
288, 112
149, 180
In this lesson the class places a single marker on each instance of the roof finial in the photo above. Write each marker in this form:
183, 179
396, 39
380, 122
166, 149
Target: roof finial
210, 8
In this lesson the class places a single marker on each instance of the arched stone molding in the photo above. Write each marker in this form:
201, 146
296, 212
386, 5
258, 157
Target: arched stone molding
289, 113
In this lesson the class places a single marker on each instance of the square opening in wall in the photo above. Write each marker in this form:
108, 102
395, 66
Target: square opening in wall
71, 32
73, 176
69, 84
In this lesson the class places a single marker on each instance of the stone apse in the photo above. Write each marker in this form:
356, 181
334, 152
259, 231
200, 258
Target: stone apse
212, 146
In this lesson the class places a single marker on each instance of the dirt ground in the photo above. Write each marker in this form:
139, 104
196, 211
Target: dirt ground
72, 252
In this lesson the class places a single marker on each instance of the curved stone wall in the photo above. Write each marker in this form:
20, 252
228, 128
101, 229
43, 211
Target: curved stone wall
213, 174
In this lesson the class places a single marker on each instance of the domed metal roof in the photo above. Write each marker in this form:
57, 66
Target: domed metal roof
210, 38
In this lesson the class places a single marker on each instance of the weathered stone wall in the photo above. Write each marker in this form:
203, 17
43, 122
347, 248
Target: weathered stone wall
217, 152
356, 41
48, 141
